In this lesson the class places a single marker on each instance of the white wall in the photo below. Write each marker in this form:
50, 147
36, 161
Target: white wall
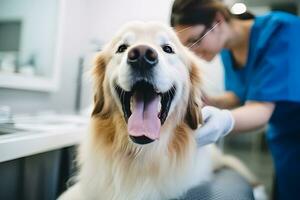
74, 35
106, 16
38, 21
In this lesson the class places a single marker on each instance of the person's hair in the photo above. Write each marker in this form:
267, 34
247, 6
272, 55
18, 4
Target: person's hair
192, 12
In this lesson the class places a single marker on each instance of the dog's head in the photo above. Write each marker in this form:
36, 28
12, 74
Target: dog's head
145, 74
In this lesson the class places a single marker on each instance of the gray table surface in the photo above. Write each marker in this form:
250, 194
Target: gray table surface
226, 185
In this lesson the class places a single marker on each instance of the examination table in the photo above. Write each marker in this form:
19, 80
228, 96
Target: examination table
226, 185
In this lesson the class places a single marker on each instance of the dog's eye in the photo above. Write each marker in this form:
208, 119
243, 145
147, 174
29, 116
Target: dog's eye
167, 49
122, 48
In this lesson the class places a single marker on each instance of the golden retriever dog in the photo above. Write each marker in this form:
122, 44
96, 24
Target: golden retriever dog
141, 144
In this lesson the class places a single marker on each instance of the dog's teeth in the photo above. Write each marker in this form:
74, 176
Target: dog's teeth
131, 103
159, 105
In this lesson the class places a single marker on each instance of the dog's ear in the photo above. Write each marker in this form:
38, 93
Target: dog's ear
98, 74
193, 115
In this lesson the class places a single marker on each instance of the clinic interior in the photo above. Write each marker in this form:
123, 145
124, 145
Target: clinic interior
45, 85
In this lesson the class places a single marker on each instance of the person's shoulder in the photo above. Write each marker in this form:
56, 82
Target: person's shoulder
276, 25
282, 15
278, 18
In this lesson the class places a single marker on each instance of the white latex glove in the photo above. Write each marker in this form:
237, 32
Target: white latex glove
216, 124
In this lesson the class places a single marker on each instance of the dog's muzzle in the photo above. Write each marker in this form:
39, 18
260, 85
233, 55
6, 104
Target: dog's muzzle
142, 59
145, 108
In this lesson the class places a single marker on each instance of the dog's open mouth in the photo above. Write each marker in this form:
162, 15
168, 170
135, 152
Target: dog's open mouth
145, 110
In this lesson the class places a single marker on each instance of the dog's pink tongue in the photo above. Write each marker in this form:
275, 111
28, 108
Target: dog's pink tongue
144, 118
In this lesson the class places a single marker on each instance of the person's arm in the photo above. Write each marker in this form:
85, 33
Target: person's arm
228, 100
220, 122
252, 115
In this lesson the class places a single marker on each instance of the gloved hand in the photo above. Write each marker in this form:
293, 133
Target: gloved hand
216, 124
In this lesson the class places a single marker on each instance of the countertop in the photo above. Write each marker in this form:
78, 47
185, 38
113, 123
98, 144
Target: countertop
42, 133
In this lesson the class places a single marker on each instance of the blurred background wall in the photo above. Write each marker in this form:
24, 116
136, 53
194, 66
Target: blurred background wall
74, 37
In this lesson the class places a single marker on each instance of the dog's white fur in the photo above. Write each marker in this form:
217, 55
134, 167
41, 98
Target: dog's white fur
112, 167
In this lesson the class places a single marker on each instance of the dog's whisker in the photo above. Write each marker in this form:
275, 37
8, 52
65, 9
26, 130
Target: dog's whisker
172, 90
123, 96
169, 95
136, 152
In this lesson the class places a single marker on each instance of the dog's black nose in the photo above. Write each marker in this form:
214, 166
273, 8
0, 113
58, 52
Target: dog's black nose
142, 57
141, 139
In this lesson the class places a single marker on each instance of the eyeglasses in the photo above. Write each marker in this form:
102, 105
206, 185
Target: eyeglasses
206, 31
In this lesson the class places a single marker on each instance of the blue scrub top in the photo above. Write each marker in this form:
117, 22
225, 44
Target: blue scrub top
272, 74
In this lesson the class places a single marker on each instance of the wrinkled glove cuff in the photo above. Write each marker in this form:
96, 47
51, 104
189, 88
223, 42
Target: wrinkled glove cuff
231, 122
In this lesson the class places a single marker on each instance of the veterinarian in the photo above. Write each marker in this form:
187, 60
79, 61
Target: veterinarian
262, 78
